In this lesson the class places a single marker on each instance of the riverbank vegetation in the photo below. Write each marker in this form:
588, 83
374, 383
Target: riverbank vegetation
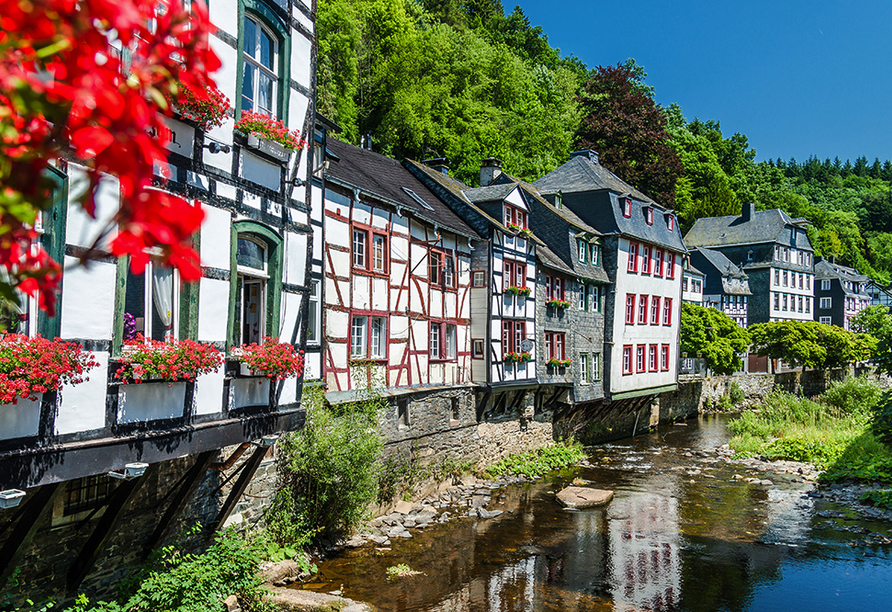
535, 463
845, 431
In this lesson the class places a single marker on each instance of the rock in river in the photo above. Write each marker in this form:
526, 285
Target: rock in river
584, 497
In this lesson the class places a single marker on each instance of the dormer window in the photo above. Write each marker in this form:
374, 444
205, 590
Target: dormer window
649, 215
626, 204
582, 246
670, 222
515, 217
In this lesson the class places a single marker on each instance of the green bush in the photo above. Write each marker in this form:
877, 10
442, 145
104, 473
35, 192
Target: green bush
881, 423
735, 394
725, 404
852, 396
536, 463
882, 498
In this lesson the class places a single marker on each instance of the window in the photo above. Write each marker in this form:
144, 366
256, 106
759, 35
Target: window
667, 311
826, 303
554, 288
670, 265
515, 274
808, 304
442, 341
825, 285
658, 262
594, 297
252, 261
777, 253
684, 284
785, 301
670, 222
374, 261
801, 282
664, 357
627, 359
630, 309
151, 303
260, 70
86, 493
799, 301
645, 259
639, 358
777, 278
402, 412
596, 366
555, 345
582, 247
826, 320
642, 310
582, 302
477, 349
596, 254
584, 372
655, 310
649, 215
479, 279
314, 316
515, 216
256, 266
652, 358
633, 257
513, 333
777, 301
368, 337
626, 203
441, 269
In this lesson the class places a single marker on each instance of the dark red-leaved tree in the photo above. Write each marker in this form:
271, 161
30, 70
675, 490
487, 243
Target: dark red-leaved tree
627, 128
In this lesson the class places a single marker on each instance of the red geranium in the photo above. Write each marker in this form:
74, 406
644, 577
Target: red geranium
29, 366
171, 361
271, 129
272, 359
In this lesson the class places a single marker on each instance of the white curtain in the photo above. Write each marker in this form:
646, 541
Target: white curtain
162, 294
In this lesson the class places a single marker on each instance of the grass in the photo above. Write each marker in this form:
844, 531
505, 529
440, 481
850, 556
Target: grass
536, 463
400, 571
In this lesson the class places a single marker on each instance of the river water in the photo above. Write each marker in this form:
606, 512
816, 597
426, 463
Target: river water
681, 534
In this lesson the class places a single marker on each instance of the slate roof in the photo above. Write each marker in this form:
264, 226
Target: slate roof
491, 193
825, 270
582, 174
550, 260
733, 280
765, 226
564, 213
721, 263
385, 178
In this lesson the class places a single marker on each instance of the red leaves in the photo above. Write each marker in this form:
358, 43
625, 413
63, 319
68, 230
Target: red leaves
106, 112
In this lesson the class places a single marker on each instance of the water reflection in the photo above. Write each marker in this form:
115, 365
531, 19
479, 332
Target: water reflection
680, 535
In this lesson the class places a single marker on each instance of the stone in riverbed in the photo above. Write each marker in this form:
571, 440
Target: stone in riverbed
584, 497
403, 507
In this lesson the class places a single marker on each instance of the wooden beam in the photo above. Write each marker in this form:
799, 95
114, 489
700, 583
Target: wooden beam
33, 512
239, 487
105, 528
183, 494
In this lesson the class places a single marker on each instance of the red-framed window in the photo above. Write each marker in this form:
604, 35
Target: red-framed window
664, 357
515, 274
555, 287
652, 358
670, 265
654, 310
639, 358
630, 309
555, 345
657, 261
649, 215
633, 257
368, 337
515, 216
667, 311
642, 310
645, 259
441, 269
626, 204
370, 251
670, 222
513, 333
442, 341
627, 359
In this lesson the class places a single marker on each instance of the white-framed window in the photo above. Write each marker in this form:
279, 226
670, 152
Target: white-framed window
151, 303
777, 278
252, 261
368, 337
584, 373
477, 349
777, 301
808, 304
581, 302
260, 79
596, 366
649, 215
825, 285
314, 314
479, 279
442, 341
435, 341
785, 301
359, 248
826, 320
581, 248
826, 303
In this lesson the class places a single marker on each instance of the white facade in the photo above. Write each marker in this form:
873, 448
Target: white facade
791, 292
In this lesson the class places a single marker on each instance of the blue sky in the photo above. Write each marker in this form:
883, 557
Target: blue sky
798, 78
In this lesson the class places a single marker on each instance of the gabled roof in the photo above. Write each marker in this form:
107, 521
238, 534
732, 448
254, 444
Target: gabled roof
721, 263
721, 273
490, 193
564, 213
825, 270
386, 179
550, 260
765, 226
582, 174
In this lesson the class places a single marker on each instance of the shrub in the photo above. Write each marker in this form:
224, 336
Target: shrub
725, 404
881, 423
29, 366
536, 463
735, 394
852, 396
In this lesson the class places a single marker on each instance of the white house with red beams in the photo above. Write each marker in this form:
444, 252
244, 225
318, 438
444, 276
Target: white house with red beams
397, 280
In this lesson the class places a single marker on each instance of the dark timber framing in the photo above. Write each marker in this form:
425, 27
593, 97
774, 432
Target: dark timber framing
33, 513
239, 487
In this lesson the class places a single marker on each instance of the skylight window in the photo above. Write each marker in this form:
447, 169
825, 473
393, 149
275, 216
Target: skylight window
417, 198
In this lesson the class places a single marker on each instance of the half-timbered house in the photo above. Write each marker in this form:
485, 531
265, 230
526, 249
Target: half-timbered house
84, 455
396, 298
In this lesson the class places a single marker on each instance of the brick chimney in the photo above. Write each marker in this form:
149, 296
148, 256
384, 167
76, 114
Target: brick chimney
490, 170
440, 164
592, 156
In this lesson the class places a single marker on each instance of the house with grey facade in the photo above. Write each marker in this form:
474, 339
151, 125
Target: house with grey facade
641, 250
773, 250
726, 286
840, 293
691, 283
879, 295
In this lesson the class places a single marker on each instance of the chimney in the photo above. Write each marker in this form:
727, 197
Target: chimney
748, 211
592, 156
490, 170
440, 164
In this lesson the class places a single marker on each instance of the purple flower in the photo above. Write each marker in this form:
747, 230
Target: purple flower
129, 326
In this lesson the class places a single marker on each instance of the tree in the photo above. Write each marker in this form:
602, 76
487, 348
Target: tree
876, 322
715, 335
628, 129
100, 111
809, 344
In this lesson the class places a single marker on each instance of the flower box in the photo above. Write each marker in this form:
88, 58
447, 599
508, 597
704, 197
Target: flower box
557, 304
524, 291
559, 363
517, 357
10, 498
206, 110
144, 360
270, 147
272, 359
32, 366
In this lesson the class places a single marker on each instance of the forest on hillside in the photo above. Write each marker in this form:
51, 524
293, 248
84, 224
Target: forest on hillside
463, 79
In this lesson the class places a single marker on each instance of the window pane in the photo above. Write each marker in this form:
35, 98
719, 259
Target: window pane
252, 315
379, 334
266, 94
134, 305
163, 300
251, 255
250, 37
267, 51
378, 253
358, 249
248, 77
435, 341
450, 342
313, 314
357, 337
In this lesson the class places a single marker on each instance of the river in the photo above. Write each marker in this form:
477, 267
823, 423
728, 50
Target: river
681, 534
